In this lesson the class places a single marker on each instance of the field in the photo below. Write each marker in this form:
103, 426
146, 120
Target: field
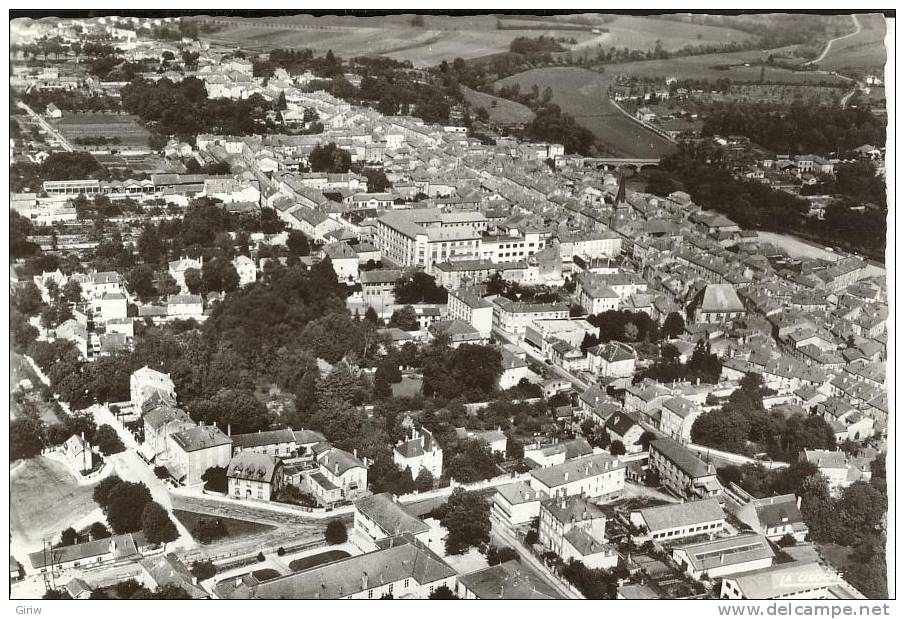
319, 559
90, 125
410, 386
44, 500
447, 37
583, 94
644, 32
730, 65
865, 50
505, 112
234, 527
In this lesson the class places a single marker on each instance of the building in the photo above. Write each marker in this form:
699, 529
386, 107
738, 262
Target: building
515, 368
276, 443
745, 552
594, 476
624, 427
840, 469
773, 517
185, 306
517, 503
800, 580
146, 383
717, 303
419, 451
681, 472
246, 269
254, 475
344, 261
96, 552
613, 360
177, 269
675, 521
381, 516
340, 476
378, 288
513, 317
157, 572
194, 450
677, 415
402, 567
423, 237
505, 581
575, 528
78, 453
465, 305
159, 423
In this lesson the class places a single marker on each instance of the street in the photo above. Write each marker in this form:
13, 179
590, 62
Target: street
64, 143
503, 535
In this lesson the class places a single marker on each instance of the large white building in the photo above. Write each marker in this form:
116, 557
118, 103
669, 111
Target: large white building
465, 305
423, 237
595, 475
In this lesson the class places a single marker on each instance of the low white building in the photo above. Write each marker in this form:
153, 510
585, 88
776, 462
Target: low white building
594, 476
517, 503
728, 555
419, 451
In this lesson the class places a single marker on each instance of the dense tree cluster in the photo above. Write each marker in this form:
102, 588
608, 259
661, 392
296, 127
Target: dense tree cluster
183, 109
470, 370
703, 365
329, 158
744, 426
419, 288
539, 45
550, 124
802, 128
69, 100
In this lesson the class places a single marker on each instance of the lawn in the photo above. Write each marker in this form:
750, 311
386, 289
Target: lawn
127, 128
409, 387
505, 111
319, 559
235, 528
865, 50
44, 500
583, 94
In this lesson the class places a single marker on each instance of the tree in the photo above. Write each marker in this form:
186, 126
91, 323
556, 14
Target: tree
69, 537
125, 506
157, 525
467, 521
502, 554
125, 589
514, 448
107, 440
27, 299
193, 280
336, 532
171, 592
26, 438
99, 530
673, 325
443, 593
56, 594
297, 242
617, 448
405, 318
330, 158
103, 490
215, 479
424, 481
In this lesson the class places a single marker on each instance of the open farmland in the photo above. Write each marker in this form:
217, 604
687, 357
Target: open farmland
583, 94
863, 51
644, 32
98, 125
441, 38
505, 111
737, 66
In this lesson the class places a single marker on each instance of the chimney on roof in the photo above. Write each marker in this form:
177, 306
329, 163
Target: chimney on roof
798, 502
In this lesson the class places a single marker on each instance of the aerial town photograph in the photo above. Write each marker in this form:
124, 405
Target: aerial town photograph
451, 306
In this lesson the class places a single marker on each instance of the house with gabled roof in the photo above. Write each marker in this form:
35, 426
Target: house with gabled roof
254, 475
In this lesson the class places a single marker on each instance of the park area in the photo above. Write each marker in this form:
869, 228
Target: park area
91, 127
45, 500
583, 94
207, 528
